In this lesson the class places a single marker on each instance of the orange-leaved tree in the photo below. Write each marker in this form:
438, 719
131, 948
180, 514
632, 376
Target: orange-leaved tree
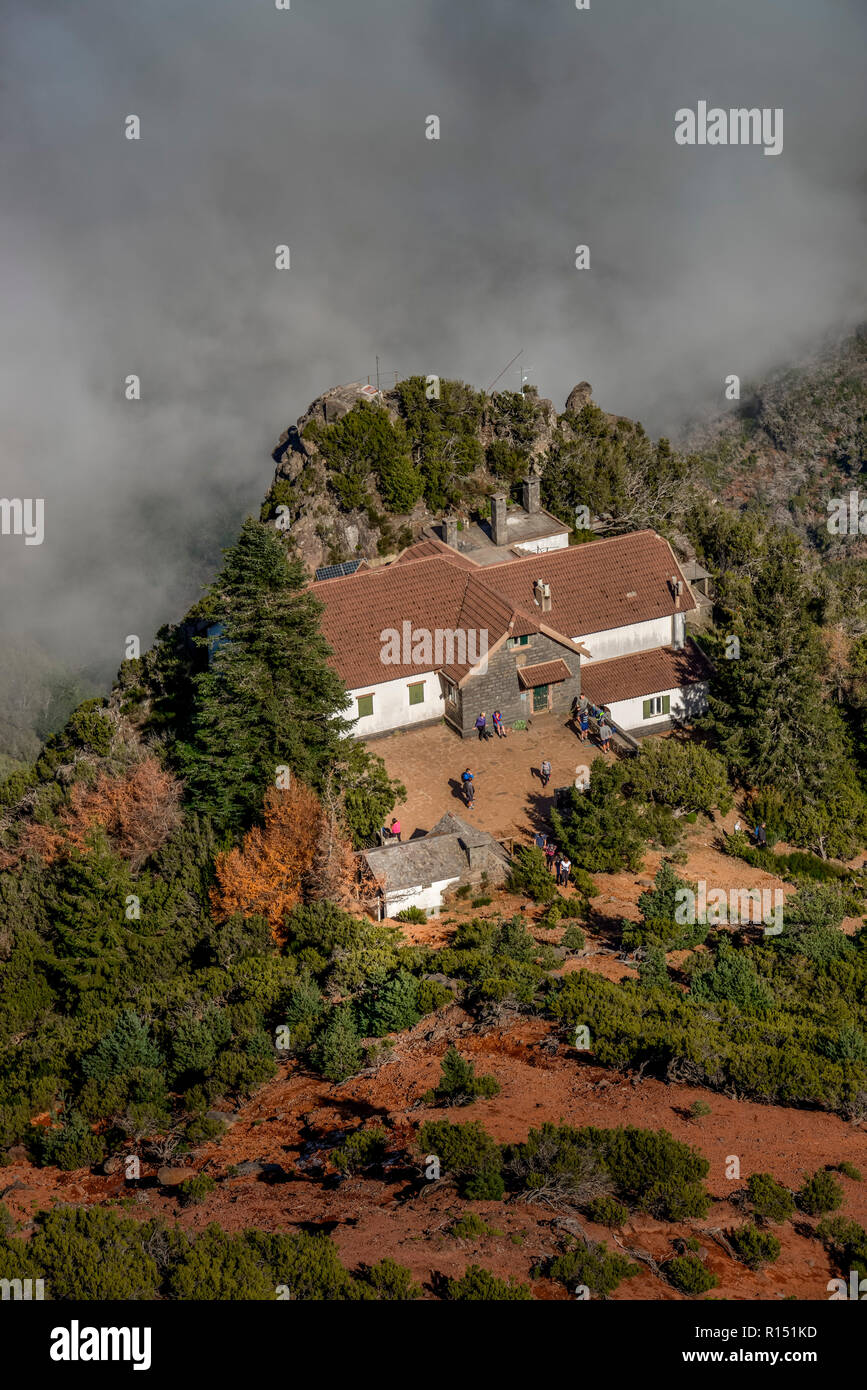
267, 874
138, 811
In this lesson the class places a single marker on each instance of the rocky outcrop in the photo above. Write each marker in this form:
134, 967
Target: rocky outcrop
578, 397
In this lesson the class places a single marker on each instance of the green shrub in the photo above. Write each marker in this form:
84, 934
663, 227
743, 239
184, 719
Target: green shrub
596, 1267
90, 1253
847, 1241
432, 995
607, 1211
481, 902
531, 876
769, 1198
360, 1149
338, 1053
683, 775
72, 1145
411, 914
688, 1273
849, 1171
478, 1285
754, 1247
389, 1007
458, 1084
820, 1194
467, 1153
573, 938
193, 1191
471, 1226
390, 1281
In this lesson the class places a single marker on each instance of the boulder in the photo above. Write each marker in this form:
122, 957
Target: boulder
578, 397
173, 1177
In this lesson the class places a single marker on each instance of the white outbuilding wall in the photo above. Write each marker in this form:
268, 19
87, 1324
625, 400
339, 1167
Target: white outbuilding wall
429, 897
391, 706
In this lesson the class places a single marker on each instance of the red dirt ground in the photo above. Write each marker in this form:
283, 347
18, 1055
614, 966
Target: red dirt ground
372, 1218
293, 1120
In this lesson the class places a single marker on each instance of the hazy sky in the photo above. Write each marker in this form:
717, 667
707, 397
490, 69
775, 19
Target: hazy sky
307, 127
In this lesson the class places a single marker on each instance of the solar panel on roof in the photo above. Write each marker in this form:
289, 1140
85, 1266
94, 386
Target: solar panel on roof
337, 571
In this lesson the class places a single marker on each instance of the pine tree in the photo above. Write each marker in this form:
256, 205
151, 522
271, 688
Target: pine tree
269, 697
769, 711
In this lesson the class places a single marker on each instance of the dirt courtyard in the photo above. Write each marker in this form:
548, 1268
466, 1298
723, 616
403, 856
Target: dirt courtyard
510, 799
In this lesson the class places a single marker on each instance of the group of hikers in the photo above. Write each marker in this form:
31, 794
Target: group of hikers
558, 863
759, 833
497, 721
581, 714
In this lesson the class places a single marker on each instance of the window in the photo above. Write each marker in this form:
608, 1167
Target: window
657, 704
365, 706
518, 641
451, 693
416, 693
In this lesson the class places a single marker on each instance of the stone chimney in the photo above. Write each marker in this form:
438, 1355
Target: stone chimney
476, 847
542, 595
531, 493
450, 531
499, 527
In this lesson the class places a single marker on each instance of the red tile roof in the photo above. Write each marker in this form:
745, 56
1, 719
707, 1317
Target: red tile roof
594, 587
643, 673
423, 550
544, 673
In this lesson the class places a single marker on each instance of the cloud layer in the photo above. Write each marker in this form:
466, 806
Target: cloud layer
307, 127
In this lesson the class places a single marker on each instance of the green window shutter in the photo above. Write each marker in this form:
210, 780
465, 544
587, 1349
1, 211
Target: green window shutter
365, 706
646, 710
666, 704
416, 693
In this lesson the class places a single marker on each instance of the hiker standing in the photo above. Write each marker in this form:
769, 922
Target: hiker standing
394, 829
541, 840
498, 724
469, 786
604, 736
762, 836
545, 772
550, 855
565, 870
583, 725
482, 725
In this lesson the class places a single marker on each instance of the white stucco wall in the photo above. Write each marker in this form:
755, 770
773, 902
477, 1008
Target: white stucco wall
687, 703
391, 706
429, 898
637, 637
543, 544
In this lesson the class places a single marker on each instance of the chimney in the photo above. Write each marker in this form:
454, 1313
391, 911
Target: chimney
542, 595
531, 493
499, 527
450, 531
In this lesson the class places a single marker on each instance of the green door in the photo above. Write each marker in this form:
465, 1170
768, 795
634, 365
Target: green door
540, 698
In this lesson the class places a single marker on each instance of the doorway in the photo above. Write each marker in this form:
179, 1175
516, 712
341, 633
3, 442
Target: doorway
541, 698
